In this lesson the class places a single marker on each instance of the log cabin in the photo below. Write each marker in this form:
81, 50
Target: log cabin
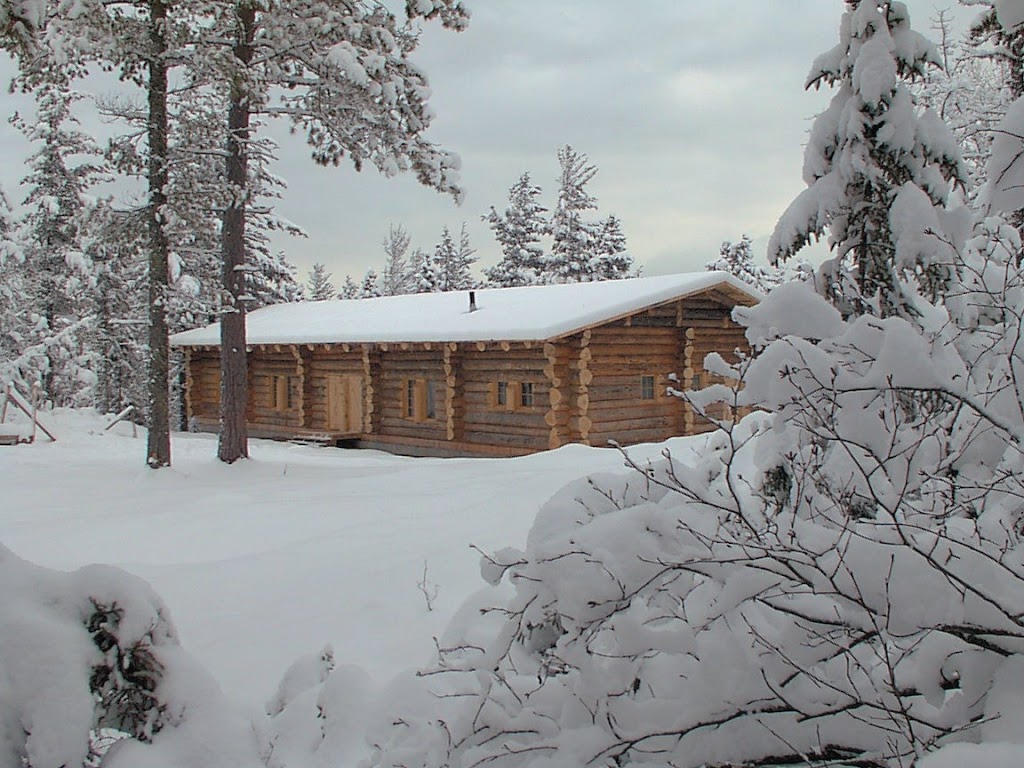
491, 372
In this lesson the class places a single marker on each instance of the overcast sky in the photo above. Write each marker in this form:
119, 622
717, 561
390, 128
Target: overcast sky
693, 112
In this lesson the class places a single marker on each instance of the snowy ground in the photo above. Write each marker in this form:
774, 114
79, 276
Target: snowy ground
298, 547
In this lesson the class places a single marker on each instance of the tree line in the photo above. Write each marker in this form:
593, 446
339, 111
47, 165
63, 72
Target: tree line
538, 246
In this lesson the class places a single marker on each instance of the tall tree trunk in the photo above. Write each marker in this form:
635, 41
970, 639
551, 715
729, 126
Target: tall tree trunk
158, 451
233, 364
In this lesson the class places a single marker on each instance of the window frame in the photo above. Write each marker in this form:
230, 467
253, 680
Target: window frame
419, 400
527, 395
429, 400
281, 399
648, 387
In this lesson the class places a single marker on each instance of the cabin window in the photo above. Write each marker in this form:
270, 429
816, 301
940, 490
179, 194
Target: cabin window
526, 394
409, 399
280, 395
430, 404
646, 387
511, 395
419, 400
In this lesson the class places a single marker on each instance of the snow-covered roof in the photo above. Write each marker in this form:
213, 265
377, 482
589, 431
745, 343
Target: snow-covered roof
532, 313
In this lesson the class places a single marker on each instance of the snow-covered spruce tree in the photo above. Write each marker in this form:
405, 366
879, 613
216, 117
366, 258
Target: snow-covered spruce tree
196, 199
20, 362
611, 260
967, 92
272, 279
1002, 191
270, 276
869, 148
117, 335
370, 288
461, 276
59, 202
518, 230
738, 260
452, 263
342, 74
141, 40
444, 259
574, 239
349, 289
398, 277
319, 286
995, 35
428, 278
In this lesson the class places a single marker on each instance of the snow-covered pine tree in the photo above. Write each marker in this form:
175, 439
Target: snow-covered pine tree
574, 239
456, 273
271, 277
349, 289
519, 230
443, 259
967, 92
428, 278
20, 363
319, 286
870, 153
452, 262
118, 335
1002, 43
398, 277
341, 75
370, 289
141, 40
738, 260
611, 260
59, 203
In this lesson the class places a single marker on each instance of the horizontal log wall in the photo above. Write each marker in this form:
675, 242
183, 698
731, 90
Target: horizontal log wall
202, 385
486, 423
620, 355
264, 364
398, 366
713, 332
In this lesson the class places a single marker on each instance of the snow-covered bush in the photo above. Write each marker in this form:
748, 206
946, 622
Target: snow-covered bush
91, 659
838, 581
318, 714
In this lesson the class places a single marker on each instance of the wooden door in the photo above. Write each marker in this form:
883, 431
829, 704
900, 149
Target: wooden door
345, 404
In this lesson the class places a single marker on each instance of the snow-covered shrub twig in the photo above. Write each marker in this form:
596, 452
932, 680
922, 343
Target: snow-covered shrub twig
838, 581
427, 588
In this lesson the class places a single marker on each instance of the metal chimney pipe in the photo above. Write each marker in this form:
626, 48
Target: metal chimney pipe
472, 301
